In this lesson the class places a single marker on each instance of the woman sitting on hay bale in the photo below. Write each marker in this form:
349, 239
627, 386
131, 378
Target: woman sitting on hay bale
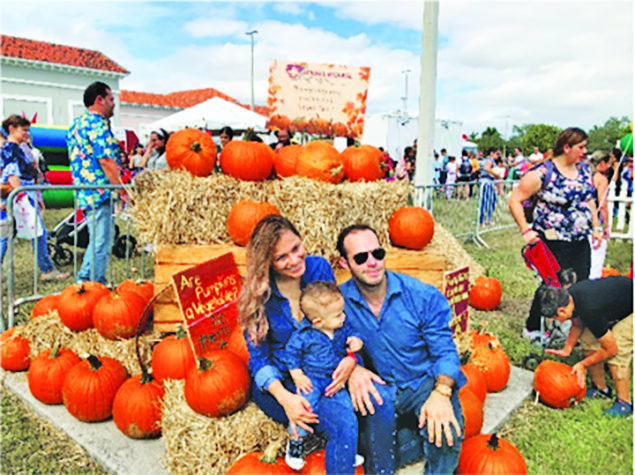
277, 271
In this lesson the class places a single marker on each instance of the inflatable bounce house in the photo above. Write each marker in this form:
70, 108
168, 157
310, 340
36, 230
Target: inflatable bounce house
51, 141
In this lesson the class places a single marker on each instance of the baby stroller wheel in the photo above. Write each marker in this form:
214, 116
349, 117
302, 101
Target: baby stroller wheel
124, 246
59, 254
532, 361
536, 343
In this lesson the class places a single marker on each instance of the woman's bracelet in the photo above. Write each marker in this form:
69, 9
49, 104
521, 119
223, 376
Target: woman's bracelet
526, 231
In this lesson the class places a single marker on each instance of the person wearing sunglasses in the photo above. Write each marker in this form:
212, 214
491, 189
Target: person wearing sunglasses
406, 392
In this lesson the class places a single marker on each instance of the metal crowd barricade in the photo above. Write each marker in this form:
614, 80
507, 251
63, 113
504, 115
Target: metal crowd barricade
620, 208
127, 246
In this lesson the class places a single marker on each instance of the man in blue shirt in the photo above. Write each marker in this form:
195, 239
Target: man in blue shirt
412, 369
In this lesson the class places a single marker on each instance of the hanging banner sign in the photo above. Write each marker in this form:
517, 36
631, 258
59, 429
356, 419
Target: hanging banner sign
207, 294
456, 288
320, 99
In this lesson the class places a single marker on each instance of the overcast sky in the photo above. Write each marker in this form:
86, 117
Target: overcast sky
499, 63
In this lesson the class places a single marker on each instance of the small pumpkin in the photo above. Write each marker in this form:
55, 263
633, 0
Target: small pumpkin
117, 314
47, 372
315, 464
243, 218
76, 304
237, 344
476, 381
278, 122
319, 126
261, 463
494, 364
45, 306
246, 160
608, 271
490, 454
472, 408
14, 352
90, 386
362, 163
173, 356
321, 161
218, 386
339, 129
192, 150
142, 287
137, 407
556, 386
411, 227
486, 293
285, 160
478, 339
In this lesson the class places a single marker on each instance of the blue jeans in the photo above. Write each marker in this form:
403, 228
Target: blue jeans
44, 261
99, 223
399, 416
338, 424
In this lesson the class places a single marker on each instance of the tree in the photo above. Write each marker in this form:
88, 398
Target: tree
490, 138
542, 136
605, 137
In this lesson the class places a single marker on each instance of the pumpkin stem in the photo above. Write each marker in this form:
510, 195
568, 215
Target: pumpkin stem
196, 147
493, 442
180, 333
82, 289
465, 357
204, 364
55, 352
269, 455
250, 134
95, 364
146, 377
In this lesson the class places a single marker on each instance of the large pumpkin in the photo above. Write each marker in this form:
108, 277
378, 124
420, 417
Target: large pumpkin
321, 161
137, 407
476, 381
45, 306
494, 364
411, 227
76, 304
362, 163
486, 293
243, 218
117, 314
261, 463
237, 344
90, 386
47, 372
173, 357
142, 287
286, 159
315, 464
192, 150
219, 385
490, 454
556, 386
245, 160
472, 408
14, 352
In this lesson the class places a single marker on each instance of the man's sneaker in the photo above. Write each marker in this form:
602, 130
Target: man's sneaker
594, 392
295, 454
359, 460
620, 409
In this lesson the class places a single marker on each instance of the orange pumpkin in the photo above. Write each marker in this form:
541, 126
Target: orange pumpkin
478, 339
192, 150
411, 227
136, 409
490, 454
173, 357
45, 306
278, 122
243, 218
472, 408
363, 163
76, 304
608, 271
476, 381
237, 344
494, 364
116, 315
556, 386
314, 464
318, 126
14, 351
245, 160
142, 287
285, 160
47, 371
262, 463
319, 160
339, 129
486, 293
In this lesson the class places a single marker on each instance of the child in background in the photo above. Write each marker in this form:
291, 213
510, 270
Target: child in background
313, 353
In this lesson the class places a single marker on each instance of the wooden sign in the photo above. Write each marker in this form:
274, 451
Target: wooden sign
207, 294
456, 288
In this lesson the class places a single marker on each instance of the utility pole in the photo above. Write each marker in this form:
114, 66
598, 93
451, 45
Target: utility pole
405, 95
251, 34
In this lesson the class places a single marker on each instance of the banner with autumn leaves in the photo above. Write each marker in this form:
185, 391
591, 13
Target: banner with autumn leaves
318, 99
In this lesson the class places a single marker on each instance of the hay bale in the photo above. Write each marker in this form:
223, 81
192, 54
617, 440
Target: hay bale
200, 444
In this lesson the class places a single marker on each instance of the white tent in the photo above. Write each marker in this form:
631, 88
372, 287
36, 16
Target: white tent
213, 114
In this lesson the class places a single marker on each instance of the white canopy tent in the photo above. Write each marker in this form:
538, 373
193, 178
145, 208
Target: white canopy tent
213, 114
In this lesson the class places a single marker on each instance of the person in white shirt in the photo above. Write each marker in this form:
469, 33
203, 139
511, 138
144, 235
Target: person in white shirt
535, 157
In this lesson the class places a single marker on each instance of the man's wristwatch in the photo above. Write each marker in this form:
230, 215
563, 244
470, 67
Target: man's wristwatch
443, 389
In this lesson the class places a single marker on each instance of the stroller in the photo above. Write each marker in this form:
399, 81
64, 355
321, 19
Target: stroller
539, 258
76, 224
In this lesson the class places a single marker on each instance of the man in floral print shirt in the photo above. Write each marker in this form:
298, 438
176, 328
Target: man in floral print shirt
93, 151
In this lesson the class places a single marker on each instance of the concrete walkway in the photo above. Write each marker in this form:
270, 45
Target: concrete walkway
120, 454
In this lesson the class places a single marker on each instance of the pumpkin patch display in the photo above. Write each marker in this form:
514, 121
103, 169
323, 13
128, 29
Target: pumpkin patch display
136, 409
218, 386
192, 150
486, 293
45, 306
493, 362
76, 304
362, 163
556, 386
285, 160
314, 464
117, 314
262, 463
245, 160
490, 454
90, 386
15, 351
243, 218
173, 357
321, 161
47, 371
411, 227
472, 408
142, 287
476, 381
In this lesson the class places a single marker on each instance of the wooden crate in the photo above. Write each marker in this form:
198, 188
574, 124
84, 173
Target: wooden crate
428, 266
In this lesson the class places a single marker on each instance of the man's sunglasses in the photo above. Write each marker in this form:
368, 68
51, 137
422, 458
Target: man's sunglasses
362, 257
